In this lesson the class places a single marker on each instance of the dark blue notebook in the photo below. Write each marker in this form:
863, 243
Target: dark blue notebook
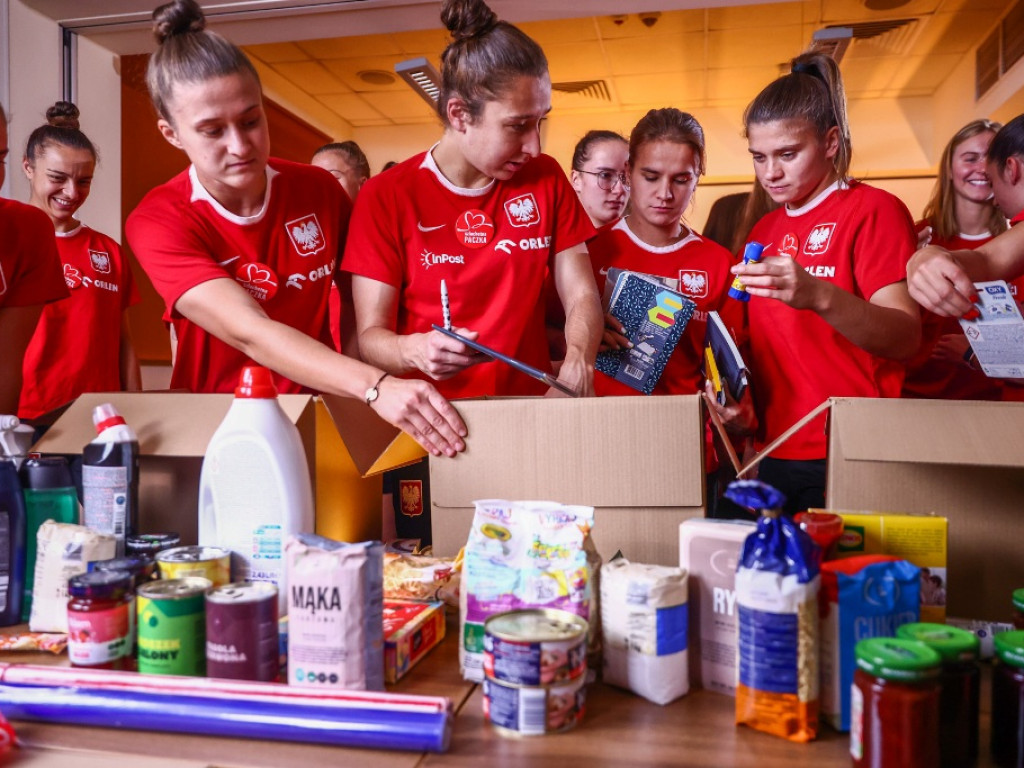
654, 317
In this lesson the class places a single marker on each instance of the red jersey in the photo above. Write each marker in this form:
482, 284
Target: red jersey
935, 379
285, 256
77, 345
701, 268
493, 247
859, 239
30, 271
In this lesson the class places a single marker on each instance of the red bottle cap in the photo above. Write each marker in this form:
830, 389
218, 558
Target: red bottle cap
824, 527
105, 416
256, 382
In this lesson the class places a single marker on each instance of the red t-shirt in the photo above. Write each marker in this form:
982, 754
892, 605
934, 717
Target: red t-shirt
701, 267
935, 379
492, 246
285, 257
77, 344
30, 270
859, 239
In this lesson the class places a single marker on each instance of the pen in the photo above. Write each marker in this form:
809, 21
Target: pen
444, 306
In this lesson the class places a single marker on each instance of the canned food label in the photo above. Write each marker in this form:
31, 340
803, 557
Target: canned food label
534, 663
98, 637
172, 636
533, 711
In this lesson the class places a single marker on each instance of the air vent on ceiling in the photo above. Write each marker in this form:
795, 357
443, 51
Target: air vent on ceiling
891, 37
1003, 48
594, 89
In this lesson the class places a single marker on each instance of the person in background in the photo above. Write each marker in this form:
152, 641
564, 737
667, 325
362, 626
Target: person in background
83, 343
31, 277
484, 211
599, 175
243, 247
346, 162
724, 217
829, 313
961, 214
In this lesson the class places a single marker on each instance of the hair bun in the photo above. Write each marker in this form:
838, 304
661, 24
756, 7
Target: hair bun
468, 18
179, 17
63, 114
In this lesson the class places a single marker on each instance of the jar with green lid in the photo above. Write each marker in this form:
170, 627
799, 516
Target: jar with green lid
894, 704
960, 683
1008, 700
1018, 608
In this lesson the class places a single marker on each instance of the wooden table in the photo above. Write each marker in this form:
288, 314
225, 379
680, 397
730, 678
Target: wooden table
619, 730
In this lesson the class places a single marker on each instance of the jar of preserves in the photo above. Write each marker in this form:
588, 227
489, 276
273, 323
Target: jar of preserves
101, 624
1008, 700
960, 681
894, 704
1018, 608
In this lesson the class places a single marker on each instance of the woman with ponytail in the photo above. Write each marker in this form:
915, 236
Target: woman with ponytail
243, 247
83, 343
487, 213
829, 311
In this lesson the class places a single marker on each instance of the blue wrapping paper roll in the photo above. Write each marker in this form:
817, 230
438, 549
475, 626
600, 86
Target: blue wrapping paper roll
362, 727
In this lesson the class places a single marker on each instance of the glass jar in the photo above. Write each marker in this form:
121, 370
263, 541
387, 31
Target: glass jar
1008, 700
1018, 608
894, 705
960, 681
101, 620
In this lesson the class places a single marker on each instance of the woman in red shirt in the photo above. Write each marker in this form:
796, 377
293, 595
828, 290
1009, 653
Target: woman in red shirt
82, 343
599, 175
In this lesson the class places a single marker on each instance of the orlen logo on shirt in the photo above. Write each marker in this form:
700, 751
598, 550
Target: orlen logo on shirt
429, 258
72, 277
522, 211
306, 235
693, 282
817, 242
100, 261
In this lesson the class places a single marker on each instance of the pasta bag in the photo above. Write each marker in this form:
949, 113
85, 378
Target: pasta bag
777, 603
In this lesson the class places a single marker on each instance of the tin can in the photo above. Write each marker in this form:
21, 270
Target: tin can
151, 543
241, 632
522, 710
213, 563
142, 569
535, 647
172, 626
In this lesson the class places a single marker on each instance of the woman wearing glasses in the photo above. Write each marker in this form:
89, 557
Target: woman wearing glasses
599, 175
666, 158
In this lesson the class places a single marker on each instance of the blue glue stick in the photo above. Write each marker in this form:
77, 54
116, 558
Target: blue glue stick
751, 255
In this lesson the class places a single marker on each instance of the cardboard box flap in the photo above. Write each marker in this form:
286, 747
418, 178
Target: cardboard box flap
167, 423
929, 431
374, 445
660, 466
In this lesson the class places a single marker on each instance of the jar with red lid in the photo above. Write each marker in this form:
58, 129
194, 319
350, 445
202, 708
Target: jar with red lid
1008, 700
894, 704
960, 681
824, 528
1018, 608
101, 623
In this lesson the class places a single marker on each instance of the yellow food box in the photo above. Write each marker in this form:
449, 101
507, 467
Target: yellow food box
921, 539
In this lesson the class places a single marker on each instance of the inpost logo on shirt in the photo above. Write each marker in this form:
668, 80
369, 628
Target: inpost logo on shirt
429, 258
306, 235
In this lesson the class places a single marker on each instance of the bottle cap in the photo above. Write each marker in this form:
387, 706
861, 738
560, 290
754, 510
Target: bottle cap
100, 585
1018, 599
46, 472
951, 643
824, 527
105, 416
1009, 647
256, 382
893, 658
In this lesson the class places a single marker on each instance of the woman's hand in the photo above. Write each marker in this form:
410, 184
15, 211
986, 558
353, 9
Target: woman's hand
737, 416
416, 407
938, 283
782, 278
614, 337
440, 356
576, 374
952, 348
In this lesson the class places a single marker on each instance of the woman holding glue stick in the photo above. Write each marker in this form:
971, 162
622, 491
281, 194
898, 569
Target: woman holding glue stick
487, 212
242, 247
829, 312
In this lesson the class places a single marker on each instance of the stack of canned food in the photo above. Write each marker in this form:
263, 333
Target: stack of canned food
535, 662
170, 610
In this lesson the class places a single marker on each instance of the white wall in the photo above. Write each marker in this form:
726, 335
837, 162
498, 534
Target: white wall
99, 99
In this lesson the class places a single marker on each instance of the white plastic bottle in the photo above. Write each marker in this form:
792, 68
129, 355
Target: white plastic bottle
254, 489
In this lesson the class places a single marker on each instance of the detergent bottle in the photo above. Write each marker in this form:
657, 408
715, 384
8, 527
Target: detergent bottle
254, 488
12, 544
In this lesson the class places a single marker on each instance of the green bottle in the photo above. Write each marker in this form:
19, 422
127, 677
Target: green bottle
49, 495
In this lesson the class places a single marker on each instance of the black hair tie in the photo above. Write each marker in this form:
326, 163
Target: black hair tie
805, 68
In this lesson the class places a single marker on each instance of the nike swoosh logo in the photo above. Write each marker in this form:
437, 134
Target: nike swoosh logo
228, 261
421, 228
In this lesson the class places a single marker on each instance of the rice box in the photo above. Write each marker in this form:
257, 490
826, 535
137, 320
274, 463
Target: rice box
411, 629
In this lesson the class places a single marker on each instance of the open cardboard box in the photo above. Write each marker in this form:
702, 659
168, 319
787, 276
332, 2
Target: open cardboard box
346, 443
638, 460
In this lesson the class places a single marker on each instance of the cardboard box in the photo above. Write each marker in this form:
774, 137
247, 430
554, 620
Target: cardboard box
347, 445
961, 460
638, 460
411, 629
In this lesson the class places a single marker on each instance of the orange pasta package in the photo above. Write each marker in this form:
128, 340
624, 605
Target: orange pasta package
777, 601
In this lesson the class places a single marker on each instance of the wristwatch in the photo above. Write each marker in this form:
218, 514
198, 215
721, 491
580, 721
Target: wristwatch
374, 392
